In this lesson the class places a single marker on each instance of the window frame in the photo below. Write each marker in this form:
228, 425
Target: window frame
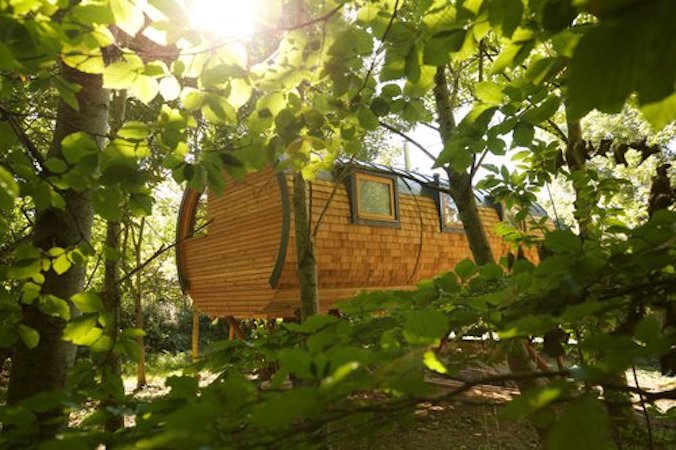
442, 222
365, 218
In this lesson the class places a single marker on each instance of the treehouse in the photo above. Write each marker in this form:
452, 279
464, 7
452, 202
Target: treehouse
373, 227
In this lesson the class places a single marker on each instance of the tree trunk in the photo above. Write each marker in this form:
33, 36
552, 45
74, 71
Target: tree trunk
463, 195
109, 362
43, 368
460, 182
618, 401
138, 310
576, 159
307, 263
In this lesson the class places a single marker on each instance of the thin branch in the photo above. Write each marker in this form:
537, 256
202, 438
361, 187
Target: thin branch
23, 137
651, 444
323, 18
408, 138
159, 252
475, 167
382, 42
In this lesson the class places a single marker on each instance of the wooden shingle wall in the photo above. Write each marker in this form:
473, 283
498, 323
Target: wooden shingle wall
352, 257
229, 268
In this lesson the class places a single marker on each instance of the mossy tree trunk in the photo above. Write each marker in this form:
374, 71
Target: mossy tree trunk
43, 368
463, 195
307, 263
460, 181
109, 362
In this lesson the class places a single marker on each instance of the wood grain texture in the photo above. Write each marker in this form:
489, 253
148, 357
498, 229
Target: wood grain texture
228, 269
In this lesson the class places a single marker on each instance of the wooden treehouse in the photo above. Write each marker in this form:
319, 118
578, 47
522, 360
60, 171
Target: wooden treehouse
374, 227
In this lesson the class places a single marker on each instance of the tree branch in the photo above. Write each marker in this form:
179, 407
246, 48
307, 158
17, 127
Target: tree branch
408, 138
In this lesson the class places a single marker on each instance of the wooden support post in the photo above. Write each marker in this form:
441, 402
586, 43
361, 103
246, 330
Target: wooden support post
231, 332
195, 334
235, 328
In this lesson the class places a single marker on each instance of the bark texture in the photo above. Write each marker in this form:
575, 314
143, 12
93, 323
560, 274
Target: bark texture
109, 362
460, 181
307, 263
138, 310
44, 368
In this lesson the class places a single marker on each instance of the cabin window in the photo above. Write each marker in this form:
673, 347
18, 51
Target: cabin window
374, 199
450, 217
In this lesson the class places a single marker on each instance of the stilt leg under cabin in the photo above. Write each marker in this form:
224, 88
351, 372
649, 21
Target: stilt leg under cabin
195, 334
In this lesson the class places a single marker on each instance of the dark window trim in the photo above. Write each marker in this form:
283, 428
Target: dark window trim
351, 185
442, 226
286, 227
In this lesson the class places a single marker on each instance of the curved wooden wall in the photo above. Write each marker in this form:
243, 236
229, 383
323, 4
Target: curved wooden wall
353, 257
229, 269
246, 265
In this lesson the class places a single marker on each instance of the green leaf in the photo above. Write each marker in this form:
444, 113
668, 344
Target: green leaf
542, 112
54, 306
563, 241
512, 55
61, 264
438, 49
144, 88
660, 113
425, 327
282, 409
87, 302
296, 361
141, 204
489, 93
107, 203
122, 74
82, 331
583, 425
367, 119
527, 325
431, 361
9, 189
77, 145
28, 335
465, 269
523, 134
56, 165
507, 14
192, 99
240, 92
316, 323
535, 399
128, 15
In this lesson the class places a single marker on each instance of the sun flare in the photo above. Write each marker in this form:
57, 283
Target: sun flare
234, 19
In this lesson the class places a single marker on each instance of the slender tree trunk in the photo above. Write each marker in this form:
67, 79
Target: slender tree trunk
307, 263
460, 181
576, 158
462, 193
618, 401
109, 362
43, 368
138, 310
